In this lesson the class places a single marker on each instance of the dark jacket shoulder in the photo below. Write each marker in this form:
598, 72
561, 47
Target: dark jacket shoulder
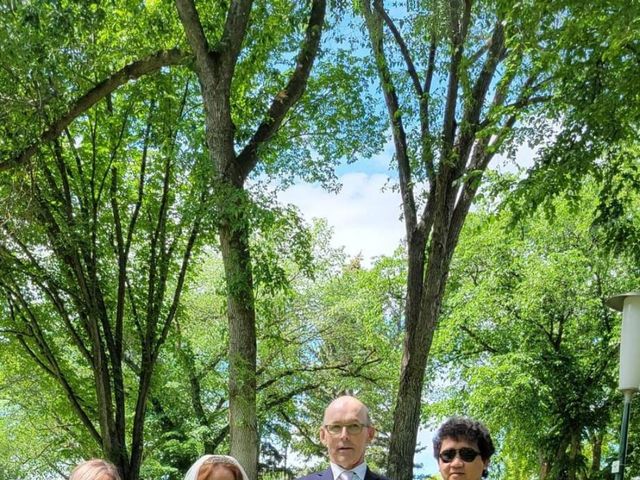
371, 475
324, 475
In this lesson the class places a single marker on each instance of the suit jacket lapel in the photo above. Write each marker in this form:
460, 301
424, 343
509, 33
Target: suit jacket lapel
370, 475
326, 475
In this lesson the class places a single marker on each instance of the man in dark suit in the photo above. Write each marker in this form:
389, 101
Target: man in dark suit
346, 431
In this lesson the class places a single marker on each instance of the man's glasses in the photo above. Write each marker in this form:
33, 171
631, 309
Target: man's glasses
466, 454
335, 429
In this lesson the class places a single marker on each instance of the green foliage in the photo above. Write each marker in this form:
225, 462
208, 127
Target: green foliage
56, 51
596, 118
316, 338
335, 121
116, 196
528, 343
93, 240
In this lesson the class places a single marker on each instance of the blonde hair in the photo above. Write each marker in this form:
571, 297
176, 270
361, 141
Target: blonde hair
95, 469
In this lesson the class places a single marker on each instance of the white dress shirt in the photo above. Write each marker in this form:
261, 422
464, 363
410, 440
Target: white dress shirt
360, 471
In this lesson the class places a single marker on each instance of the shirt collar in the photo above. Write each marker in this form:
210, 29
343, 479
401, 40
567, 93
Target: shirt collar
360, 470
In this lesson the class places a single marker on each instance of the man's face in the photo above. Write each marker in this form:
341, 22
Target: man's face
346, 449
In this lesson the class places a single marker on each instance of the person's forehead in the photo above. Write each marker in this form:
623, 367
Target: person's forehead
345, 410
221, 470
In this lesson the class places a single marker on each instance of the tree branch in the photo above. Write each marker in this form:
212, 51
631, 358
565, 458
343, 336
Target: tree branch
194, 32
425, 124
473, 108
479, 339
235, 28
289, 95
293, 371
374, 27
280, 399
130, 72
459, 27
51, 366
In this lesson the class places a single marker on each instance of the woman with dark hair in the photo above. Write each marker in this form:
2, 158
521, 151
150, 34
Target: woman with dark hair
95, 469
216, 467
463, 448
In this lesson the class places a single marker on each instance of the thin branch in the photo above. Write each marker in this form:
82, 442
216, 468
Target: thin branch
52, 367
406, 55
374, 27
179, 285
279, 400
475, 56
217, 440
301, 430
478, 338
294, 371
141, 179
425, 124
48, 285
526, 102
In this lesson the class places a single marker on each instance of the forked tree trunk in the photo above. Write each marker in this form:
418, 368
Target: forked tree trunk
453, 156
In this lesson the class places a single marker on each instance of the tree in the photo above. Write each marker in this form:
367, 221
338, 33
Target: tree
595, 119
215, 63
456, 77
529, 343
96, 241
243, 67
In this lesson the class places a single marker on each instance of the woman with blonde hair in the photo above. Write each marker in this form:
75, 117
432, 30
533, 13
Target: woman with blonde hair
95, 469
216, 467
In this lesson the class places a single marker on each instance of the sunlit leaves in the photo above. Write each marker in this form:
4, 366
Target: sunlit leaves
529, 333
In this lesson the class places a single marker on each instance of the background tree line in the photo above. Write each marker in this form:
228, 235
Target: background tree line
156, 303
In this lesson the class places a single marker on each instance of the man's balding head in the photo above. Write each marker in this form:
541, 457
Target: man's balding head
342, 415
352, 404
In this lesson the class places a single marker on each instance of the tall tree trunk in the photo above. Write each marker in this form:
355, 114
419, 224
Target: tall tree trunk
215, 66
419, 331
234, 244
596, 456
574, 453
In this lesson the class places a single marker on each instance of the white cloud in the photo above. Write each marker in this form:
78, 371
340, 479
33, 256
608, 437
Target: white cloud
364, 215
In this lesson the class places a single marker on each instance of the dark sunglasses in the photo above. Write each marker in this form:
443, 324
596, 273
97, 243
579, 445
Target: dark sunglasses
466, 454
